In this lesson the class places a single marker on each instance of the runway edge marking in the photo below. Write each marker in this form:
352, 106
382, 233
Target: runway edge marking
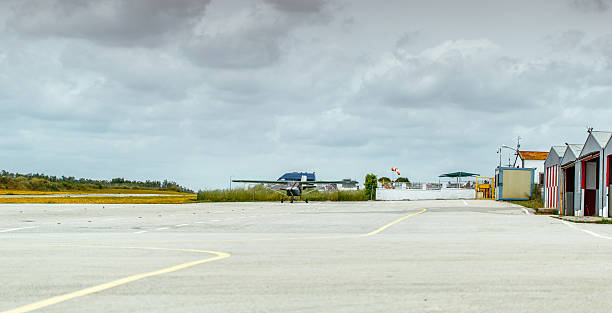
592, 233
119, 282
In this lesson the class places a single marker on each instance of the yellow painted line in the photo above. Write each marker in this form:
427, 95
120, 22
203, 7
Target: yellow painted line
392, 223
122, 281
374, 232
129, 279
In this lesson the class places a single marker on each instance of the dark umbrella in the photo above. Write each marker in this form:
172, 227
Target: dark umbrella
458, 175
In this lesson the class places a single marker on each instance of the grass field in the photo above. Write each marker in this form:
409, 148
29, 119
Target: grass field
259, 193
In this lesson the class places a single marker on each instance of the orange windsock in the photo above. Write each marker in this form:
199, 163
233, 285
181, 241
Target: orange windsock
398, 174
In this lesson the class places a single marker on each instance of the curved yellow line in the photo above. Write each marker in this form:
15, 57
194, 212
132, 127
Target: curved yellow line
122, 281
129, 279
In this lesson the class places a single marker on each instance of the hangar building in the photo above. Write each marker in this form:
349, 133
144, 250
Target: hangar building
579, 184
552, 179
569, 180
593, 167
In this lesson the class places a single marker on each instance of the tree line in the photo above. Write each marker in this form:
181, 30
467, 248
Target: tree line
41, 182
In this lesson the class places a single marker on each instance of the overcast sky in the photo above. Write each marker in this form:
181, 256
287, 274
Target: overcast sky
198, 91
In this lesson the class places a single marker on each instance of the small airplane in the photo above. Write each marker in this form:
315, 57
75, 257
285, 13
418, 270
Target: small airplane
295, 183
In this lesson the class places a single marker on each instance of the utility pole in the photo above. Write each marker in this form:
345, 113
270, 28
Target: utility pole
371, 192
518, 148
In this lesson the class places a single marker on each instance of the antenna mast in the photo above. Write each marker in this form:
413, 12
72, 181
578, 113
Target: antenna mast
518, 148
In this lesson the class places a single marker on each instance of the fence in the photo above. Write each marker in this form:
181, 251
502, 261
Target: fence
426, 191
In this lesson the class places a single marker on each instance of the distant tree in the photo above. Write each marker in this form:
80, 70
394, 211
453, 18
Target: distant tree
384, 180
402, 180
370, 186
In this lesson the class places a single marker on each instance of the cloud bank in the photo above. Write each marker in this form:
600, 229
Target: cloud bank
198, 91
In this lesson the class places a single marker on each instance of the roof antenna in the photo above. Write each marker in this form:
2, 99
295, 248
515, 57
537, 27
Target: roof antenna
589, 129
518, 148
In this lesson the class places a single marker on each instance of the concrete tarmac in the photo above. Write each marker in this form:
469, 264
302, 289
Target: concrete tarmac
454, 256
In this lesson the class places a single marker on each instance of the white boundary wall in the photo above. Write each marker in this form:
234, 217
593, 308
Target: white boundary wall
420, 194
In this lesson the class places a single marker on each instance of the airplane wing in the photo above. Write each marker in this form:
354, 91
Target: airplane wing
261, 181
316, 182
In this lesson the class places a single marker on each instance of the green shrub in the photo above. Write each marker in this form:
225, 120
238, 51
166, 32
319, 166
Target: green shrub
369, 186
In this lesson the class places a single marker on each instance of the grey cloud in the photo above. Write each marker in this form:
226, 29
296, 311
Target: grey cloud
114, 22
602, 46
298, 6
475, 75
408, 39
245, 48
151, 72
567, 40
590, 6
253, 37
463, 73
275, 85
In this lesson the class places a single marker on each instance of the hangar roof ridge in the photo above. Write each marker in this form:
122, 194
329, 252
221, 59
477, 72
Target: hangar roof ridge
576, 148
559, 150
601, 137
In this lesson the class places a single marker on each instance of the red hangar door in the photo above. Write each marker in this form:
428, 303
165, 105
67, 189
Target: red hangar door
591, 182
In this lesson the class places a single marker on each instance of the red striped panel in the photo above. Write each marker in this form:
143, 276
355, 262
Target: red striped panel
554, 184
547, 190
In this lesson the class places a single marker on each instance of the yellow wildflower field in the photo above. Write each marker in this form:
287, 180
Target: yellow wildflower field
105, 200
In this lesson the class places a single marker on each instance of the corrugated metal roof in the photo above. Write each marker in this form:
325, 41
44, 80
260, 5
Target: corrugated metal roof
533, 155
601, 137
576, 149
559, 150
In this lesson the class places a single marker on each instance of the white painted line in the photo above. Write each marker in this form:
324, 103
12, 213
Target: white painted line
215, 220
465, 202
140, 232
162, 228
199, 222
181, 225
18, 228
594, 234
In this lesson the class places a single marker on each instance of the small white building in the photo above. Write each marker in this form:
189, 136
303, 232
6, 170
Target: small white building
534, 159
349, 185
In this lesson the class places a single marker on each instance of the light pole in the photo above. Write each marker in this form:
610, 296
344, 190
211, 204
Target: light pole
515, 150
